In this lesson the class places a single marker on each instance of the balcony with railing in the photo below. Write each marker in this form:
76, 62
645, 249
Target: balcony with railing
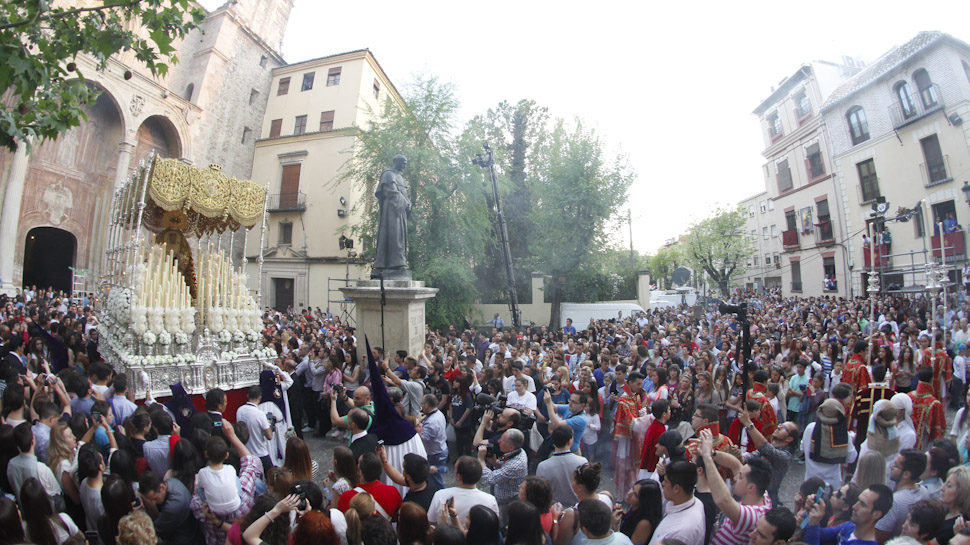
879, 254
789, 239
824, 234
952, 247
937, 172
916, 107
286, 202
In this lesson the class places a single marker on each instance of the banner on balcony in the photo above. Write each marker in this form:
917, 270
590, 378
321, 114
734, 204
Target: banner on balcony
805, 214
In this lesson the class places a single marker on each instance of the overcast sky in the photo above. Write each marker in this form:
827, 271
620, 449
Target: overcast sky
672, 85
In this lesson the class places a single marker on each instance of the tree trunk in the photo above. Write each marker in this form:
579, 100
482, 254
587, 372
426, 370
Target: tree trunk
555, 312
724, 287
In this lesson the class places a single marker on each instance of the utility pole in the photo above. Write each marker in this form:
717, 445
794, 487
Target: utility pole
488, 162
633, 261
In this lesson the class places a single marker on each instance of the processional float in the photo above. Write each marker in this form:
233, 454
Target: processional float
177, 308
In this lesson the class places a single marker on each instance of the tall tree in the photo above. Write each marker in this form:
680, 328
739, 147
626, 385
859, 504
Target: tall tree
448, 218
514, 132
44, 91
718, 246
662, 265
577, 192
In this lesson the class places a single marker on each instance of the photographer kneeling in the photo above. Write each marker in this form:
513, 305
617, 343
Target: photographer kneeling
510, 464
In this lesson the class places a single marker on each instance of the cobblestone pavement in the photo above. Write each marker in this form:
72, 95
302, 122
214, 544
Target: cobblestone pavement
321, 450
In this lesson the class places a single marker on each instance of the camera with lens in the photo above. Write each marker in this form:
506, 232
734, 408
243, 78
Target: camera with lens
338, 388
272, 419
302, 494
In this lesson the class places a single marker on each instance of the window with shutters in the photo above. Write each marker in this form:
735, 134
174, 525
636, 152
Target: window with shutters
284, 87
377, 89
286, 232
275, 127
868, 180
774, 126
299, 127
927, 91
326, 121
934, 169
813, 161
783, 174
858, 126
796, 276
905, 96
290, 187
803, 106
333, 77
828, 271
307, 81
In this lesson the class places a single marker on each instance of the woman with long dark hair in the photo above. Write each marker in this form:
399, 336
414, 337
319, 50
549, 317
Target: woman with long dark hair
525, 527
11, 527
905, 370
462, 417
483, 527
118, 500
412, 525
43, 526
186, 462
538, 492
646, 509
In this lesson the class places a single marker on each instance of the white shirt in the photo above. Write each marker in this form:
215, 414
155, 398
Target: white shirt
508, 384
960, 368
256, 421
465, 499
830, 473
684, 522
528, 401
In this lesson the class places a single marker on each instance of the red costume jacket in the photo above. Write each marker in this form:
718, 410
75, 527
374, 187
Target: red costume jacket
928, 416
768, 418
855, 373
942, 368
649, 456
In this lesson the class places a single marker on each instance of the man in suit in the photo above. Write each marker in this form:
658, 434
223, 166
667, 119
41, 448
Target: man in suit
360, 440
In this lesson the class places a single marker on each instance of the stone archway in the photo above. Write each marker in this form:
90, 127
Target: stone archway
70, 183
49, 254
159, 134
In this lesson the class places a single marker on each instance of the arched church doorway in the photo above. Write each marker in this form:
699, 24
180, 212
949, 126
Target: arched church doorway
49, 254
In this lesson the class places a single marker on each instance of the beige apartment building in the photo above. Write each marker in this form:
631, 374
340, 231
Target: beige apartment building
899, 133
313, 113
763, 269
794, 222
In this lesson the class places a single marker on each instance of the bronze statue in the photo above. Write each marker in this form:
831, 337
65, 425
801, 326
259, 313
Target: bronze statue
390, 261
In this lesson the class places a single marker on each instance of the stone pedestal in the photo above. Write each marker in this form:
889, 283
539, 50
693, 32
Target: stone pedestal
403, 313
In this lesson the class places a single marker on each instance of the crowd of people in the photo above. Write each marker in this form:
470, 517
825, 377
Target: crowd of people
531, 424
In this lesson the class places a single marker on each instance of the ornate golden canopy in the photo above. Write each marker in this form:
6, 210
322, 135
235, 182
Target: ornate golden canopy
195, 200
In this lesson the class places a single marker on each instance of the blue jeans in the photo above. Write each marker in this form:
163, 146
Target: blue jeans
438, 460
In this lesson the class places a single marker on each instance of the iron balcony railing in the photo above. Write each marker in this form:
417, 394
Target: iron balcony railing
916, 106
286, 202
936, 172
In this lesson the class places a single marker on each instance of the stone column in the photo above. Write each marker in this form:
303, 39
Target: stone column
10, 217
124, 160
403, 314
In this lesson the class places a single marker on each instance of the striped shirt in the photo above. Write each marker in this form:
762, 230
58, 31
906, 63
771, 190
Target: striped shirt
731, 533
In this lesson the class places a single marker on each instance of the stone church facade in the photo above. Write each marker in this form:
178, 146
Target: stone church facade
207, 110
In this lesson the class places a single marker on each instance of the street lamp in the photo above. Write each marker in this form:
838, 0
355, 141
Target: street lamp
966, 191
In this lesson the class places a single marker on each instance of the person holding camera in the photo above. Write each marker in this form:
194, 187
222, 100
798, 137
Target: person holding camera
511, 465
573, 414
